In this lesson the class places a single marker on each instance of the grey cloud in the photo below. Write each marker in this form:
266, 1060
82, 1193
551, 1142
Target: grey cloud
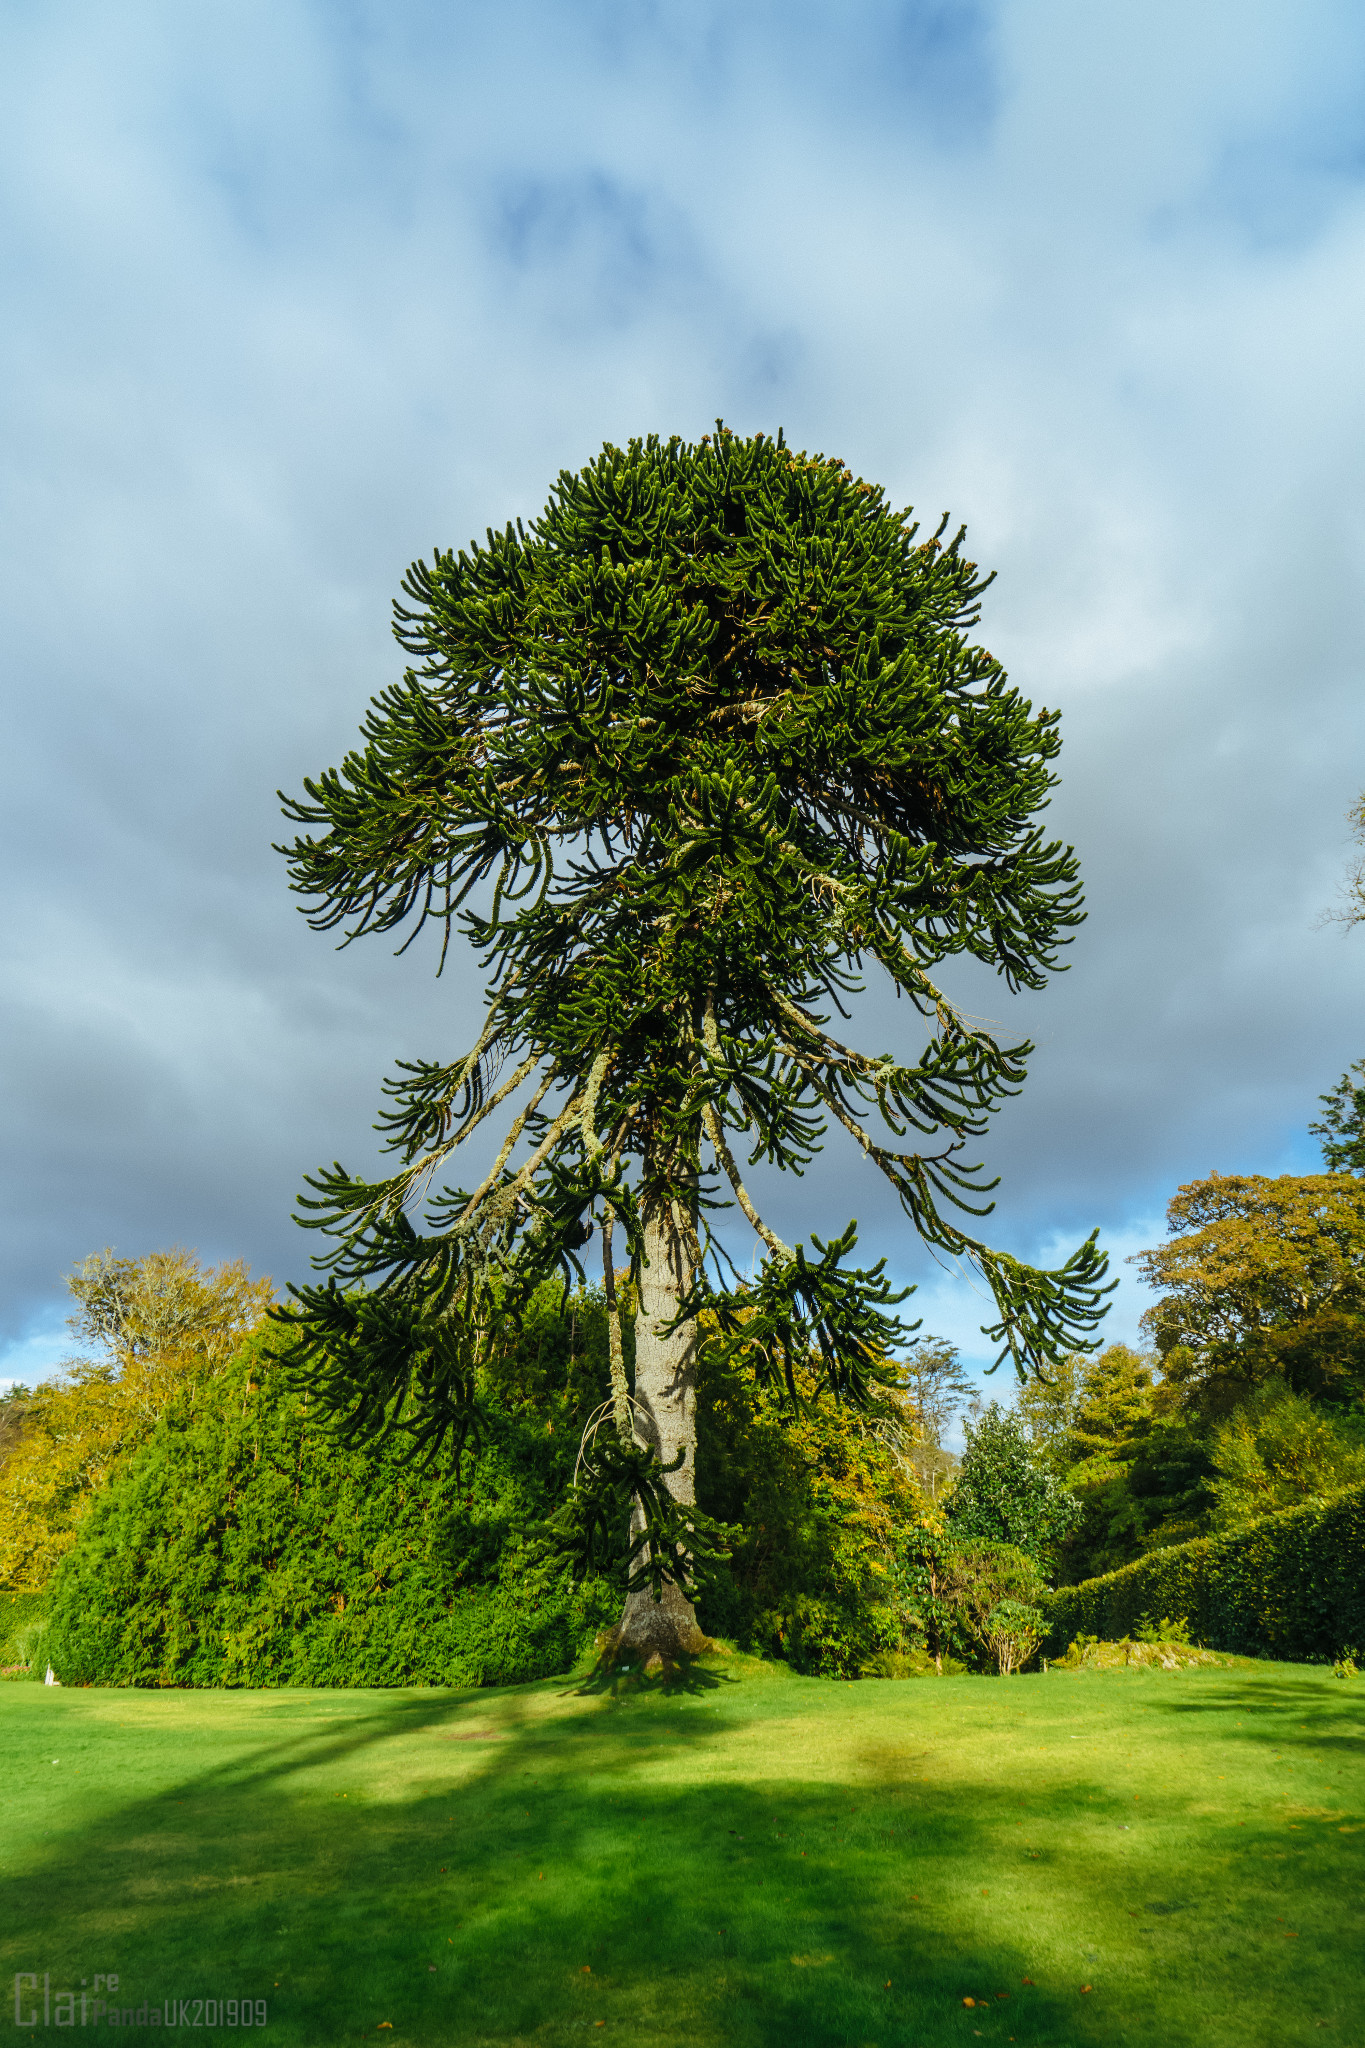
296, 293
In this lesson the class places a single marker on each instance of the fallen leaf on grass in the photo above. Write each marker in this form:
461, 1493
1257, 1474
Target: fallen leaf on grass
1026, 1980
969, 2001
1086, 1987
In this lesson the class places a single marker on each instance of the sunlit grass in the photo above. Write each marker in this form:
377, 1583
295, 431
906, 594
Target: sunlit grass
754, 1858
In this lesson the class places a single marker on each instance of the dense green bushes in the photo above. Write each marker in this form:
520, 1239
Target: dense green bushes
828, 1505
21, 1618
241, 1547
1291, 1586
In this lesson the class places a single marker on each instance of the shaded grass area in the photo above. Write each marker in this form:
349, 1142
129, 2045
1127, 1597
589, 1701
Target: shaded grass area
749, 1857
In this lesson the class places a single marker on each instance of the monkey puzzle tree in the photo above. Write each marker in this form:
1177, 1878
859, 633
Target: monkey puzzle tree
679, 760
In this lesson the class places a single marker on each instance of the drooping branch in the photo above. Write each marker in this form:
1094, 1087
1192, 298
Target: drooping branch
620, 1391
742, 1196
518, 1125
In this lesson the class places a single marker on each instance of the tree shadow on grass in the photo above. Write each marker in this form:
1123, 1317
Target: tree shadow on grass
1284, 1705
602, 1867
686, 1678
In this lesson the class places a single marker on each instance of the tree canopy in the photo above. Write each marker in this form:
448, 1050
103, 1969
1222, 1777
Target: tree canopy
1261, 1276
1006, 1492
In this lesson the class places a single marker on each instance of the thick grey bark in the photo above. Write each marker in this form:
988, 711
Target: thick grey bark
665, 1418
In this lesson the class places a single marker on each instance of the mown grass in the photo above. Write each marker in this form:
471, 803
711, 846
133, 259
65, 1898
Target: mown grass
749, 1858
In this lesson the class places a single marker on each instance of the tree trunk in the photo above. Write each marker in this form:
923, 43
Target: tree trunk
665, 1417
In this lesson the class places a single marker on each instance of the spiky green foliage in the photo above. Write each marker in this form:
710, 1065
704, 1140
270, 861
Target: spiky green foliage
1342, 1127
682, 760
621, 1482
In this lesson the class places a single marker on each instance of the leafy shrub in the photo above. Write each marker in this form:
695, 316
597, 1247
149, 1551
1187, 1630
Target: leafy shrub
22, 1618
830, 1508
1011, 1632
1290, 1586
1170, 1629
1006, 1492
955, 1589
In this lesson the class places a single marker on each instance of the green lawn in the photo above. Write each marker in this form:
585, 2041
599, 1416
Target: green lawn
757, 1859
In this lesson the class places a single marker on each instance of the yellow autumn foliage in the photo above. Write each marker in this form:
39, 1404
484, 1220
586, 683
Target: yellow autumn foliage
160, 1326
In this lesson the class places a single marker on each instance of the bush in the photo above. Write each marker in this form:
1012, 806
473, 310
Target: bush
1005, 1490
22, 1616
829, 1506
1010, 1633
241, 1546
1171, 1628
1291, 1586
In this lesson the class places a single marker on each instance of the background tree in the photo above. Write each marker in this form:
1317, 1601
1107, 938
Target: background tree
1046, 1405
937, 1389
1281, 1450
1351, 909
1261, 1342
160, 1326
681, 760
1261, 1278
1090, 1420
1005, 1492
1342, 1128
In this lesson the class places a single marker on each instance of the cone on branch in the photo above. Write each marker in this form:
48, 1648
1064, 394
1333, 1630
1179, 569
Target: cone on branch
683, 761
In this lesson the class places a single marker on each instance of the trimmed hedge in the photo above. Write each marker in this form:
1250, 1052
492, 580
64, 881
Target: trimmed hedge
242, 1547
1291, 1586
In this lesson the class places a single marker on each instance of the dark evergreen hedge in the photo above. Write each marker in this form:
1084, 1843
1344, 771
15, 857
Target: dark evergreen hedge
242, 1548
1291, 1586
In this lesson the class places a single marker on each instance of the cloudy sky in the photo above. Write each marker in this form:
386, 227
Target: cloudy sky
294, 292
